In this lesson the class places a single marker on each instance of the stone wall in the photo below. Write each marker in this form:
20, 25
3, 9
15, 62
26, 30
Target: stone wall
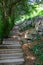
37, 21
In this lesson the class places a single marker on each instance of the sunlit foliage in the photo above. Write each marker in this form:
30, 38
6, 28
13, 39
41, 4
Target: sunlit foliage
15, 11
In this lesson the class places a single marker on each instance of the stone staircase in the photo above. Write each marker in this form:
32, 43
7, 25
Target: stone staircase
11, 52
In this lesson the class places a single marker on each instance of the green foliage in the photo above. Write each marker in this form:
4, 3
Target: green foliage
13, 11
38, 51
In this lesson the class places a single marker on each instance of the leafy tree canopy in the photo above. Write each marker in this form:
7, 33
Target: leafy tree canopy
14, 11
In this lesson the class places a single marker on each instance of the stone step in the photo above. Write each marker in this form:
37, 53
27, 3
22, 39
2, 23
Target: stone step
15, 28
19, 60
14, 33
8, 46
11, 56
6, 51
17, 53
11, 42
11, 38
12, 63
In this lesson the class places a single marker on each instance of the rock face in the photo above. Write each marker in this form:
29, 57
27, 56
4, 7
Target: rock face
36, 21
39, 23
11, 52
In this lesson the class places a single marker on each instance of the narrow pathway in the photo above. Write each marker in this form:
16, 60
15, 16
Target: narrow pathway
11, 52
